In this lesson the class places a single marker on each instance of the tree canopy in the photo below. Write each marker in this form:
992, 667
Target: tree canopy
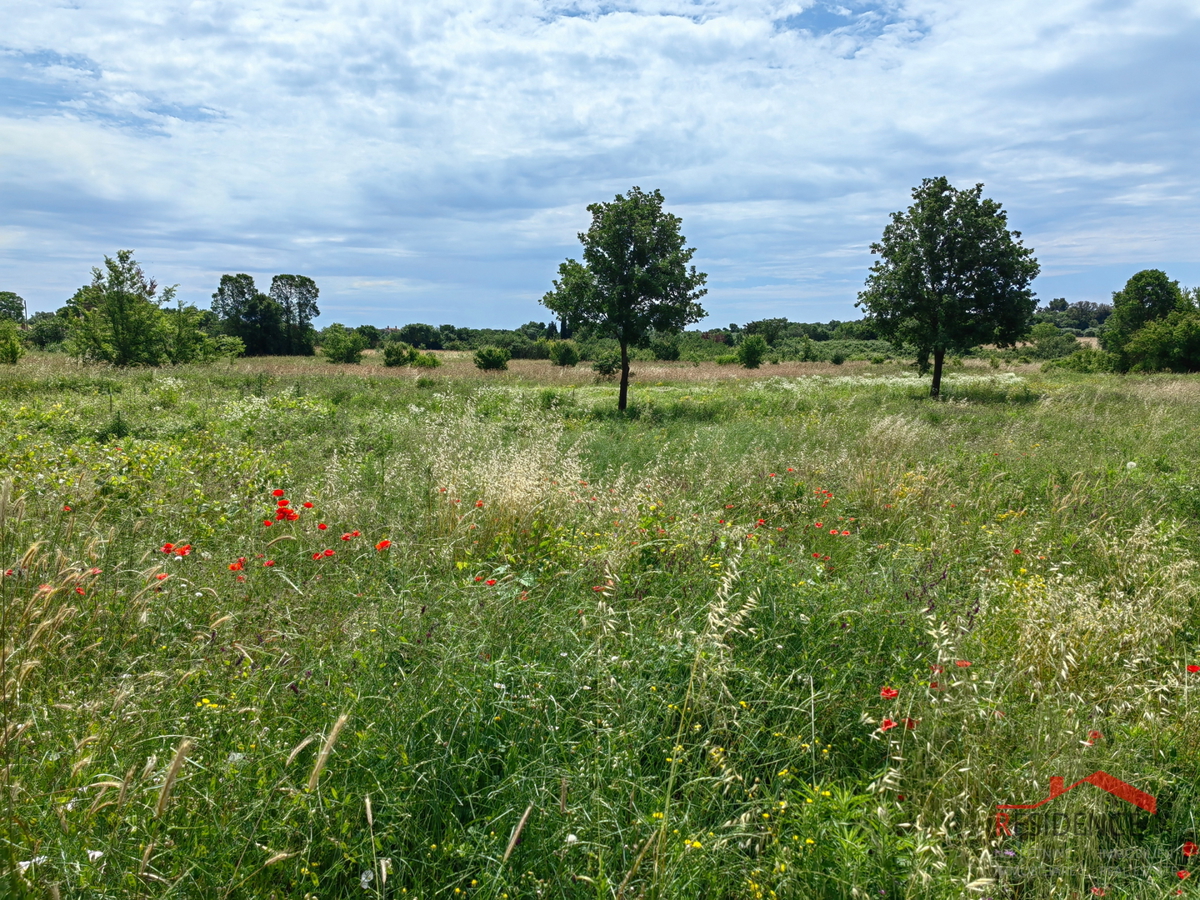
1146, 298
12, 307
634, 280
951, 276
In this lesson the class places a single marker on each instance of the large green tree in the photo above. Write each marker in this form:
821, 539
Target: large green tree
951, 276
12, 307
634, 280
1146, 298
253, 317
118, 316
297, 299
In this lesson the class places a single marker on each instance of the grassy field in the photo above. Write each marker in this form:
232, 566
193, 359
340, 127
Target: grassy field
790, 633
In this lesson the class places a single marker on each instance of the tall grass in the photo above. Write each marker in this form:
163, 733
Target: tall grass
603, 655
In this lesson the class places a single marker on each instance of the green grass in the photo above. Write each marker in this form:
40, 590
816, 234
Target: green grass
628, 624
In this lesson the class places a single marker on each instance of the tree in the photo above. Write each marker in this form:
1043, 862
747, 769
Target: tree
634, 280
118, 316
421, 335
951, 276
297, 299
1171, 343
47, 329
1147, 297
12, 307
341, 345
11, 348
752, 350
250, 315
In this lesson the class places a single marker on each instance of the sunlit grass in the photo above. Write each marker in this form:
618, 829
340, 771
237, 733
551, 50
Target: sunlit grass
631, 626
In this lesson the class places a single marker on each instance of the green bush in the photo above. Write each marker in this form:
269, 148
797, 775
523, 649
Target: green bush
726, 359
564, 353
665, 347
751, 351
425, 361
1170, 344
398, 353
11, 349
340, 345
607, 365
1051, 343
838, 357
492, 358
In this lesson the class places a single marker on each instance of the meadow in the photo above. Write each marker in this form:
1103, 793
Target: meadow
275, 628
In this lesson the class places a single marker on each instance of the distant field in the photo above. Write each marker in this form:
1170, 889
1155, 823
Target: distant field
785, 633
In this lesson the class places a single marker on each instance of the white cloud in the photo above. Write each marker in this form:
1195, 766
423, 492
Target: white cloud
454, 145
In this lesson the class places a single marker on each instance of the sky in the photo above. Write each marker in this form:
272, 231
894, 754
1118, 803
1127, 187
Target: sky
433, 161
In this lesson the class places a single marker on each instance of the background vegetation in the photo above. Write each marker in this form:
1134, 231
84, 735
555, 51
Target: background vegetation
761, 636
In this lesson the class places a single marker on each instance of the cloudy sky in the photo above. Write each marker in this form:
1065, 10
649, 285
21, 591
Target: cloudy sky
432, 161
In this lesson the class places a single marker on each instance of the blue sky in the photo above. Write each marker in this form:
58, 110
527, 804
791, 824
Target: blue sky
432, 161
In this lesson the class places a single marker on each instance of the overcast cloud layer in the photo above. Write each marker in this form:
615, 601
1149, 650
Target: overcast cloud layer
432, 161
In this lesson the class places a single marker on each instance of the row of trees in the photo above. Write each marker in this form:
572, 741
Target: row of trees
277, 323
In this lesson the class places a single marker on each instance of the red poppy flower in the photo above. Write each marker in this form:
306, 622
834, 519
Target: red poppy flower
772, 475
1190, 849
308, 504
241, 578
322, 526
162, 576
490, 582
355, 533
269, 563
79, 590
316, 556
816, 556
833, 531
934, 686
1183, 873
1094, 736
817, 525
347, 536
383, 545
1016, 552
329, 552
888, 693
167, 548
266, 523
887, 725
278, 492
910, 724
1099, 892
844, 533
791, 470
762, 522
479, 578
94, 571
1193, 669
963, 663
183, 551
235, 567
478, 503
284, 503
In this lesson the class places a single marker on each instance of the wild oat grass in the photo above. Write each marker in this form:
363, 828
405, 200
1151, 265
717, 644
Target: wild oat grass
604, 655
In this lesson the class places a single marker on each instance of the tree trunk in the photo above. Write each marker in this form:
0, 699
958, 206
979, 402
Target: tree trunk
939, 356
624, 398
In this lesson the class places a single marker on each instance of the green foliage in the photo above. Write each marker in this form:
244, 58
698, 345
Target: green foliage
425, 337
1088, 360
492, 358
46, 329
1050, 343
425, 361
564, 353
256, 319
951, 276
398, 353
634, 279
119, 317
12, 307
751, 351
1147, 297
665, 347
607, 365
1170, 344
11, 348
296, 297
341, 345
727, 359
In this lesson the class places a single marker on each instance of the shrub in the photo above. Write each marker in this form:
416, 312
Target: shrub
726, 359
492, 358
10, 343
425, 361
665, 347
1050, 343
751, 351
564, 353
398, 353
1171, 344
607, 365
339, 345
838, 357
